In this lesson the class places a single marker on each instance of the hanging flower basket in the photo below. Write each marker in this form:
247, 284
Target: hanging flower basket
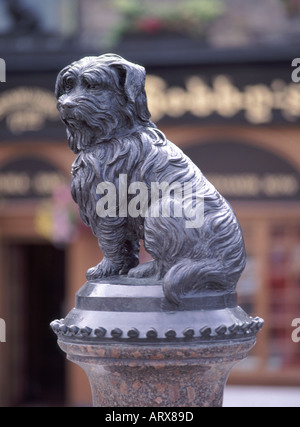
57, 219
145, 21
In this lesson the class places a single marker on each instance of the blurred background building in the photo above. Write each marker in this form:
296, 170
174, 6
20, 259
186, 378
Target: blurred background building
220, 86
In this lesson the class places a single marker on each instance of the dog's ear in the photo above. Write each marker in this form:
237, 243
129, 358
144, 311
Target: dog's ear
132, 79
58, 85
132, 82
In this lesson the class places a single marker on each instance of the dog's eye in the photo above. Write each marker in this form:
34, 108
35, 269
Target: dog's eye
92, 85
68, 84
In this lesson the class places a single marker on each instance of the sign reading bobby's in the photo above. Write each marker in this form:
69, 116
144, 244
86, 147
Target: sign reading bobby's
2, 71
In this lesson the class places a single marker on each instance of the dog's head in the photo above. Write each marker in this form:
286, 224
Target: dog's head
99, 98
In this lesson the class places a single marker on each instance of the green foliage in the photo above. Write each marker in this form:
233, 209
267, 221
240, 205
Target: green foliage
185, 17
292, 6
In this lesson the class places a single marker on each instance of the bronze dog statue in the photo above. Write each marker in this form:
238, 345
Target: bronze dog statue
103, 104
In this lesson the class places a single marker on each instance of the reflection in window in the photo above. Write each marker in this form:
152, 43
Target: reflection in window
48, 17
284, 285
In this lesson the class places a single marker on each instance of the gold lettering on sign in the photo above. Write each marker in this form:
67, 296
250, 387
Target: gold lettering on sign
27, 108
200, 99
12, 183
21, 184
253, 185
46, 182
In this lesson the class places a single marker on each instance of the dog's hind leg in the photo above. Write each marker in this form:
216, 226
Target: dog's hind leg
158, 240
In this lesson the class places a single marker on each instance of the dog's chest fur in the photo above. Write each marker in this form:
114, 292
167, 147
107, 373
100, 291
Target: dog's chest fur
105, 162
143, 157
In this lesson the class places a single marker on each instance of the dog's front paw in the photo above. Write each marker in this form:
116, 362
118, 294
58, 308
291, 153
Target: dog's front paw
105, 268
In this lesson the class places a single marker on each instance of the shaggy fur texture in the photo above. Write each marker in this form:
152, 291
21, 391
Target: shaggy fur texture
103, 104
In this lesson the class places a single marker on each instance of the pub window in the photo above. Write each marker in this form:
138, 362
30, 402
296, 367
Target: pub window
47, 17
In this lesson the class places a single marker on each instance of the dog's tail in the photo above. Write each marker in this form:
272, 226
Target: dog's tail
194, 277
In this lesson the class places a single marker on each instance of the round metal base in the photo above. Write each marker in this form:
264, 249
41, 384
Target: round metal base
139, 350
136, 309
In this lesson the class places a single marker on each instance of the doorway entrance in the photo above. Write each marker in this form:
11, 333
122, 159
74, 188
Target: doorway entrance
34, 291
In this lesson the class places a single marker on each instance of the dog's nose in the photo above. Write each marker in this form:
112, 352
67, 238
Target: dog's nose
66, 106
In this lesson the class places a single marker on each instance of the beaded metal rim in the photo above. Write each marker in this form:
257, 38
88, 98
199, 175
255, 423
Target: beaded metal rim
243, 330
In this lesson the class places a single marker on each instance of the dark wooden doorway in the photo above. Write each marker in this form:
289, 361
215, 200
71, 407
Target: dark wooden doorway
35, 293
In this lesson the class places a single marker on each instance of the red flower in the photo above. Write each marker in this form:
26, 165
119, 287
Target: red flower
149, 25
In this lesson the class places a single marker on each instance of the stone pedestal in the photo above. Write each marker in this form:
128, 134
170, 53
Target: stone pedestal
139, 350
157, 375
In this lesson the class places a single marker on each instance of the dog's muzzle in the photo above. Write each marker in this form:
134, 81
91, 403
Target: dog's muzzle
66, 109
